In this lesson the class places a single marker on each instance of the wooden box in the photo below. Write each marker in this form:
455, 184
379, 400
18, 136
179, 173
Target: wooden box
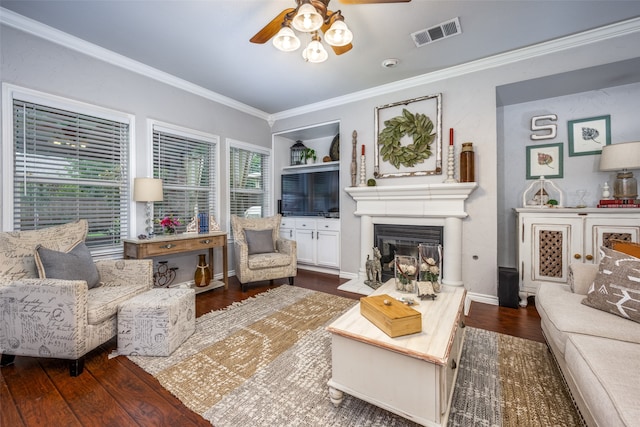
395, 319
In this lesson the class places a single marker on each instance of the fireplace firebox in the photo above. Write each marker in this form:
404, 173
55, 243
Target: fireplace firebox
395, 239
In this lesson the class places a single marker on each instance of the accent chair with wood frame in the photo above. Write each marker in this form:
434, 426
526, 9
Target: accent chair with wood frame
259, 251
45, 311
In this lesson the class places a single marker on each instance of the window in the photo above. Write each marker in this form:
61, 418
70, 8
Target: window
249, 180
186, 161
69, 162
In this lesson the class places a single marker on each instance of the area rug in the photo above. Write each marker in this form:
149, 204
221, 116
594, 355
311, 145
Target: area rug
266, 361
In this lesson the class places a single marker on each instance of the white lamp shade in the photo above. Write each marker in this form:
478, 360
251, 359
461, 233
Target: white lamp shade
286, 40
625, 155
315, 52
147, 190
307, 19
339, 34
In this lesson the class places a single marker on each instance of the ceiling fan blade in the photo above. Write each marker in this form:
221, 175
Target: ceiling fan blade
271, 29
372, 1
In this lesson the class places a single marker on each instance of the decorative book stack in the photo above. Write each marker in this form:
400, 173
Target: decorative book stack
619, 203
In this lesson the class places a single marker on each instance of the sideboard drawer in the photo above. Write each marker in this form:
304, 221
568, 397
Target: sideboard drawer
203, 242
163, 248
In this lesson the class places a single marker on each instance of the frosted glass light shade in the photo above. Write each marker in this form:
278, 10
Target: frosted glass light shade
339, 34
308, 19
147, 190
315, 52
286, 40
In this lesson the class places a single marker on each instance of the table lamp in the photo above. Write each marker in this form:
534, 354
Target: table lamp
622, 157
148, 190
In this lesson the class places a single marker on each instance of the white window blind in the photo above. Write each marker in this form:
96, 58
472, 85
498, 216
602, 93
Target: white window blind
70, 166
250, 181
187, 166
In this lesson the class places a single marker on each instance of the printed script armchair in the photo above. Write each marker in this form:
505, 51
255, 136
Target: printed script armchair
56, 318
259, 251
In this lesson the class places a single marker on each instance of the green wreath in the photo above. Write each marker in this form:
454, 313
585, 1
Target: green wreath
419, 127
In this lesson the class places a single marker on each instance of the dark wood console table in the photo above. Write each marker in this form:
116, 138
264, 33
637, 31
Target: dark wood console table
179, 243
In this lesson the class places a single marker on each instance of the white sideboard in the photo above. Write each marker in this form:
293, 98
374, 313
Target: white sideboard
549, 239
318, 239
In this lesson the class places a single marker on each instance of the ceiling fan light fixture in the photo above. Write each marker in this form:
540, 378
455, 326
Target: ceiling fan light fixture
315, 52
307, 19
286, 40
339, 34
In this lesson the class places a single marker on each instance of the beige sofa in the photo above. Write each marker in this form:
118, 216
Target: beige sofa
64, 319
597, 352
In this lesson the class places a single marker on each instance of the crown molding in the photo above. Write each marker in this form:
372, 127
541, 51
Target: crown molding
46, 32
38, 29
569, 42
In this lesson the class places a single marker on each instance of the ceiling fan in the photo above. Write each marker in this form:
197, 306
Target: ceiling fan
312, 16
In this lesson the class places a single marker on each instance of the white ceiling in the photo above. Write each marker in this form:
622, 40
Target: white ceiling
207, 42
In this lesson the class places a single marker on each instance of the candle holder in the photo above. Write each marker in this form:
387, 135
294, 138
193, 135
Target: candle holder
450, 167
363, 172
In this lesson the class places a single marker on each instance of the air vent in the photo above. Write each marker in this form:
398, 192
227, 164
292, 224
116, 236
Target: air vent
441, 31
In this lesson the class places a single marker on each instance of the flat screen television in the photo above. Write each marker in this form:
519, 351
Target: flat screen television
311, 194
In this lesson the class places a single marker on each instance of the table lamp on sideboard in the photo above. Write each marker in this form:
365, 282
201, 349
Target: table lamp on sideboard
622, 157
147, 190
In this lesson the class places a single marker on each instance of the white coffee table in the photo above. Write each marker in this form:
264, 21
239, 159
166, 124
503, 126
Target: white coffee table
412, 376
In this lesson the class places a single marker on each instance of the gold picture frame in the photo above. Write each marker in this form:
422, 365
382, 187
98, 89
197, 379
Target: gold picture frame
429, 106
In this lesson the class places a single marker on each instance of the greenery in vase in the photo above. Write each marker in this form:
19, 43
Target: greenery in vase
429, 270
405, 276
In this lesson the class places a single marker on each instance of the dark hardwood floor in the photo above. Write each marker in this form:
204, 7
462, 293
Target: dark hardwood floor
115, 392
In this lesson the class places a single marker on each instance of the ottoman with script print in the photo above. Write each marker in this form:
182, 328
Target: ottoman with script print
156, 322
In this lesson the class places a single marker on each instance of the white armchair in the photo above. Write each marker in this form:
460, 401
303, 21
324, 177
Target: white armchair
259, 251
60, 318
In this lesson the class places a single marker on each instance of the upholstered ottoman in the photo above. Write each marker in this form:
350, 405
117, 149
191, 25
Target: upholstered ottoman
156, 322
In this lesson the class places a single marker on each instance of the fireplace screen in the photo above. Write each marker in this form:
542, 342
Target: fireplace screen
402, 240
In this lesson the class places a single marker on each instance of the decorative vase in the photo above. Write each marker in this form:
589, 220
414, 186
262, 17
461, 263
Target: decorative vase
430, 264
406, 268
202, 276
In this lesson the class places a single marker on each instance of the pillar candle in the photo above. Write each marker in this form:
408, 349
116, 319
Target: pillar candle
450, 136
363, 149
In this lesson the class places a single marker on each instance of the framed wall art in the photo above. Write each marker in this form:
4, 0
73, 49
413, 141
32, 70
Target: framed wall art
408, 138
544, 160
588, 136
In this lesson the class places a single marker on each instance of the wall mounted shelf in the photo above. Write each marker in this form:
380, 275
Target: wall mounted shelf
314, 166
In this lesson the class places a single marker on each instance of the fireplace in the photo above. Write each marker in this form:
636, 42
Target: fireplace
432, 205
397, 239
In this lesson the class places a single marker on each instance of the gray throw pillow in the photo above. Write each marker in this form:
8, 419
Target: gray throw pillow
75, 264
259, 241
616, 288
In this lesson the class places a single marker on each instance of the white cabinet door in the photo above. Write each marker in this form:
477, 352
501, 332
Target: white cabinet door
600, 230
328, 245
306, 246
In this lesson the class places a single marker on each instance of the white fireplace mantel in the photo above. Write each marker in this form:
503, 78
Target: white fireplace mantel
443, 203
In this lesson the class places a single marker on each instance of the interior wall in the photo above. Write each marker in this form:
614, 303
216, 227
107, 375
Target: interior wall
469, 106
37, 64
580, 172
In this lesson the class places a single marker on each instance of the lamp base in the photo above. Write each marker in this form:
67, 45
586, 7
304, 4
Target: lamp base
625, 186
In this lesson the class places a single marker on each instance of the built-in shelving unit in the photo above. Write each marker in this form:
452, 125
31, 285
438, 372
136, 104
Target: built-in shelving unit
313, 166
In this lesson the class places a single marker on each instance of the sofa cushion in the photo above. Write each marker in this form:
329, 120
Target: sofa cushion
603, 369
562, 313
103, 301
74, 264
616, 288
270, 260
581, 276
17, 248
239, 224
259, 241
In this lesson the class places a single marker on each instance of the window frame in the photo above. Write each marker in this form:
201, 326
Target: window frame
231, 144
12, 92
184, 132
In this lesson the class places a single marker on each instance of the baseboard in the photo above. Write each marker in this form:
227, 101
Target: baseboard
483, 298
